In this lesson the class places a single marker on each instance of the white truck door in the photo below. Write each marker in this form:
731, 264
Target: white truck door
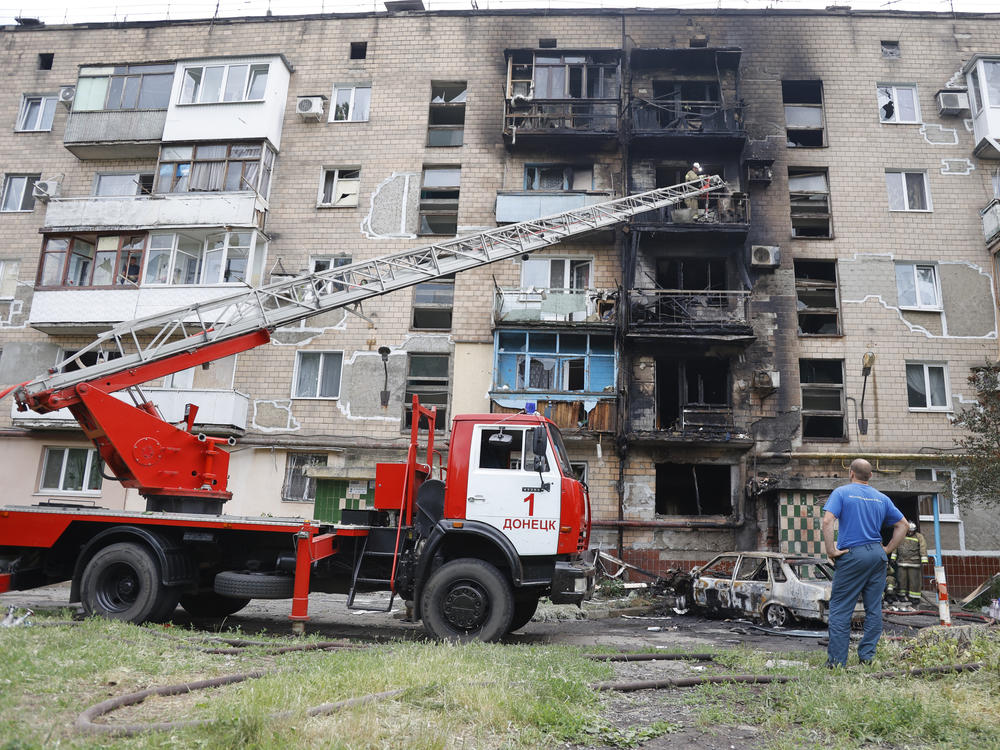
505, 492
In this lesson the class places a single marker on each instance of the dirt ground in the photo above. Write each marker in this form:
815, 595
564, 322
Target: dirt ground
602, 625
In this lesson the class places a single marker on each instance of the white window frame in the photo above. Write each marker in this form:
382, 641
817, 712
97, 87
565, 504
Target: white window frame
252, 264
39, 124
920, 304
927, 386
906, 199
295, 374
46, 452
894, 87
136, 178
29, 184
223, 83
955, 511
320, 203
567, 280
8, 278
310, 484
353, 88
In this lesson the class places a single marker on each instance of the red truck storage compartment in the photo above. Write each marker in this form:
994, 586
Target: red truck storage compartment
389, 486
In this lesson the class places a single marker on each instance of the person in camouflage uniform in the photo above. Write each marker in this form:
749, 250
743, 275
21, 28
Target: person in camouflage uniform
909, 558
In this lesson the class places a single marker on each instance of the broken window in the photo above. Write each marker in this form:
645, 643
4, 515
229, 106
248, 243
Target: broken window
897, 103
908, 191
683, 105
917, 286
439, 200
340, 187
555, 362
822, 398
890, 49
694, 274
297, 487
350, 102
317, 374
45, 60
693, 394
817, 297
803, 113
555, 273
751, 569
427, 379
359, 50
555, 76
693, 490
216, 167
432, 304
809, 197
927, 386
558, 177
446, 119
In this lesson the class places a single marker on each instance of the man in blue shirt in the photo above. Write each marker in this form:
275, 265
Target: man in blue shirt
859, 559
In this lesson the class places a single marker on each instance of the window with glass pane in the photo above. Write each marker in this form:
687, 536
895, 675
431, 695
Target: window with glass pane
946, 498
555, 273
907, 191
927, 386
555, 362
439, 200
228, 83
123, 87
992, 70
341, 187
71, 470
427, 379
803, 102
350, 103
432, 304
446, 118
822, 382
37, 113
17, 192
212, 167
917, 286
809, 198
81, 260
123, 184
317, 374
298, 487
897, 103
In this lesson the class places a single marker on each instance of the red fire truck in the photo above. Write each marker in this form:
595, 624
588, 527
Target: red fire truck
472, 545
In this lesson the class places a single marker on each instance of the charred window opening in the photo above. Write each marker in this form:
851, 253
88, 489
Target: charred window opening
686, 105
890, 50
692, 274
822, 398
817, 298
693, 490
803, 113
45, 60
752, 569
809, 198
692, 394
359, 50
446, 118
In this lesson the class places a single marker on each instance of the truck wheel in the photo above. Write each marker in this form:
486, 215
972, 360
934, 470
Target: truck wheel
524, 610
210, 604
467, 600
246, 584
122, 582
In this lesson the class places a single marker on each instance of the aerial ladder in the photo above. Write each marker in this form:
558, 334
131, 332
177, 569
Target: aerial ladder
177, 470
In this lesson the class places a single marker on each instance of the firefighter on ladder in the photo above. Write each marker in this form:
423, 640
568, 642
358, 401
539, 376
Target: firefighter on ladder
693, 174
909, 558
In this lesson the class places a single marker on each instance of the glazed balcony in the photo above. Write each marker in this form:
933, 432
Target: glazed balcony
241, 209
991, 221
527, 306
524, 205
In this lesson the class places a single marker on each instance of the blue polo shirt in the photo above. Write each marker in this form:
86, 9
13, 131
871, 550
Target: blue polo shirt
862, 511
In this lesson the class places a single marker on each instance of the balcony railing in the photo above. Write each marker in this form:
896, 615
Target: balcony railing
556, 116
556, 305
672, 116
674, 308
991, 220
571, 416
219, 411
709, 210
115, 134
242, 209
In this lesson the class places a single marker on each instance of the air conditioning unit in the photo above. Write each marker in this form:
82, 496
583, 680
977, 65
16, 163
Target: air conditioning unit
765, 256
952, 102
67, 94
45, 189
310, 107
765, 380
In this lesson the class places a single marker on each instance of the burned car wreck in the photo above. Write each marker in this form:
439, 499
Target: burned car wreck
769, 586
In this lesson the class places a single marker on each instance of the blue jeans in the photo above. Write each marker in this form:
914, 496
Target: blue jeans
859, 572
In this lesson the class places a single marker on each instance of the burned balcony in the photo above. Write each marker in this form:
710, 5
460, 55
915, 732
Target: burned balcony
718, 213
532, 305
689, 314
570, 416
555, 94
670, 120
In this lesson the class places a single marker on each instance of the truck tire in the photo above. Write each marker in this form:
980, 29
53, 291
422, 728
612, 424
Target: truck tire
524, 610
467, 600
246, 584
122, 582
211, 604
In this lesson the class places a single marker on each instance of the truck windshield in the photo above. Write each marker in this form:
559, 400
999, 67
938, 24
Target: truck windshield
561, 452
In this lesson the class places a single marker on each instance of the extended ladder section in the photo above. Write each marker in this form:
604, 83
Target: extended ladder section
159, 337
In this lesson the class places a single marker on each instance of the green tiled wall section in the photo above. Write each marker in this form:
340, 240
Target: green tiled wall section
799, 517
334, 495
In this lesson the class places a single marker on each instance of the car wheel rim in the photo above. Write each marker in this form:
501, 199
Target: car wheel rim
465, 606
776, 616
117, 588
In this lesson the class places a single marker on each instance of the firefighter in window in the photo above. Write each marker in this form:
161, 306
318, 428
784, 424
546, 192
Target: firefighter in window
909, 558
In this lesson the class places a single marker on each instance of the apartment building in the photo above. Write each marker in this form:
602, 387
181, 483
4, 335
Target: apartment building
713, 366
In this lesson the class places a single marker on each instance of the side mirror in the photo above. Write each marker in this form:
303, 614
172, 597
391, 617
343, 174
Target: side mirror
540, 441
